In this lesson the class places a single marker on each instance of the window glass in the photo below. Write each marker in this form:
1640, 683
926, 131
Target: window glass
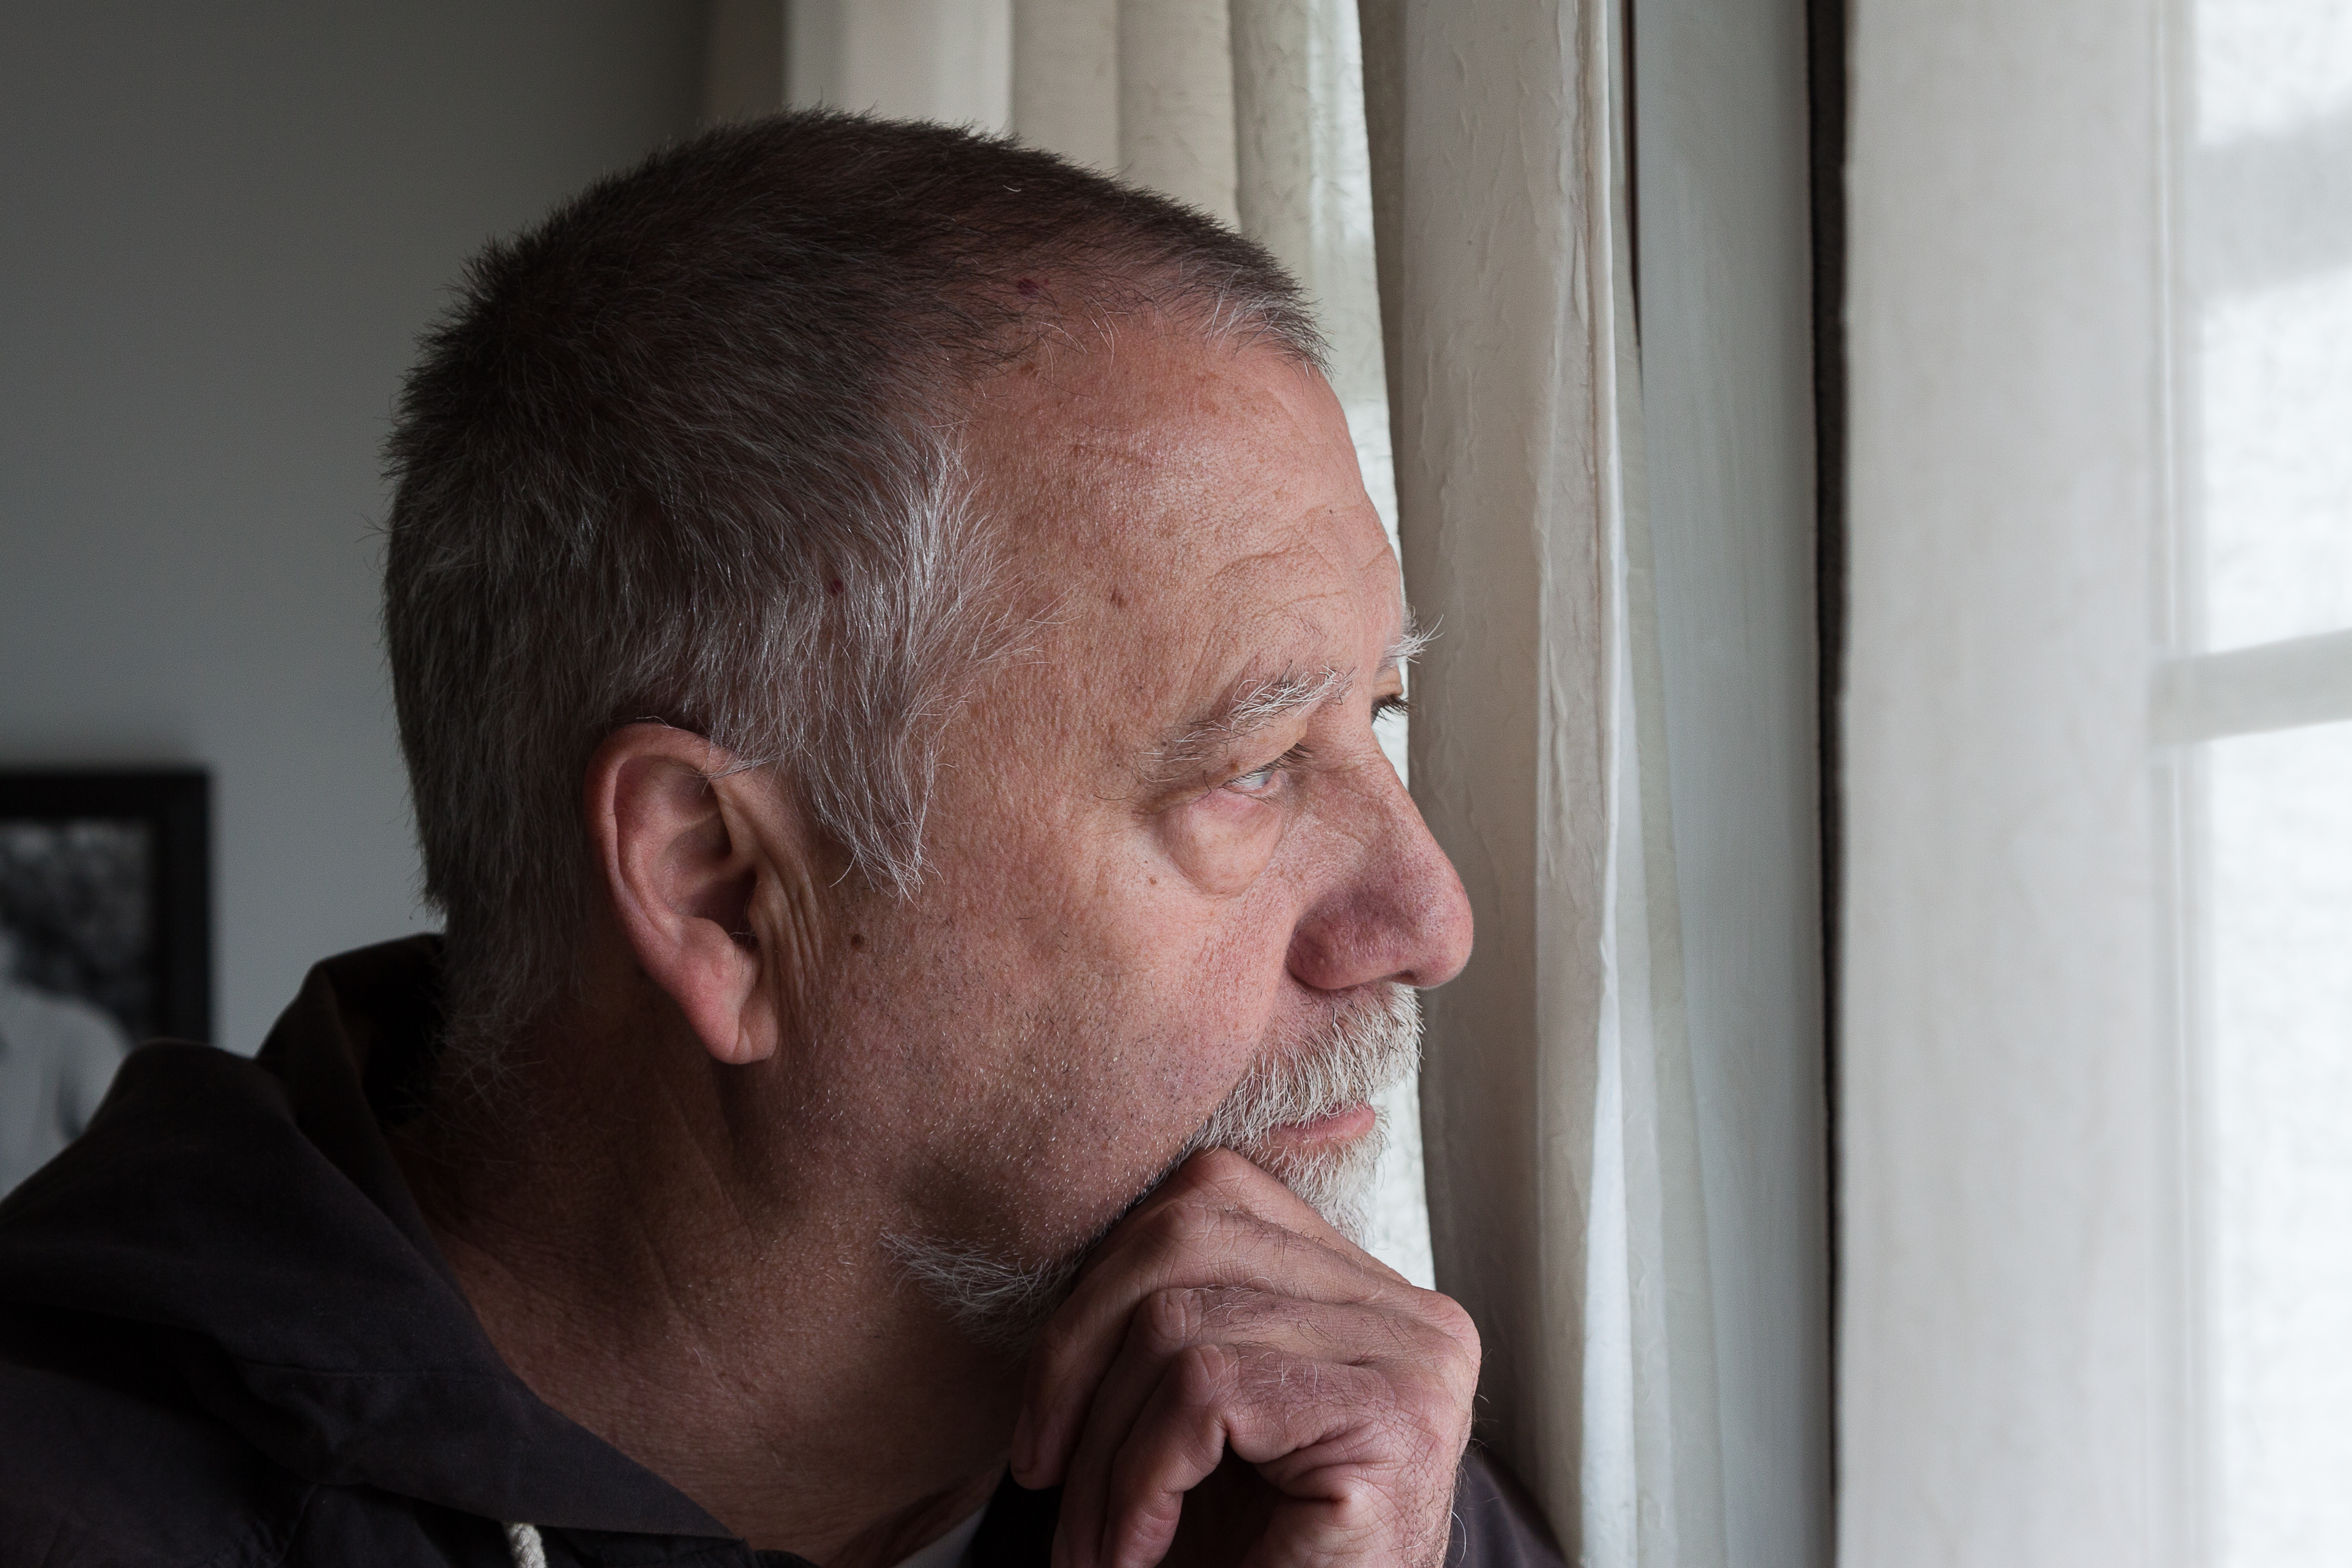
2267, 66
2279, 895
2268, 245
2265, 258
2277, 415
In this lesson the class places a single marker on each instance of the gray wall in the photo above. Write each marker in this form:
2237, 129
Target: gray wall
223, 227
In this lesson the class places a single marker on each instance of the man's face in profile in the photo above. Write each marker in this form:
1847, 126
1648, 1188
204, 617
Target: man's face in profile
1166, 848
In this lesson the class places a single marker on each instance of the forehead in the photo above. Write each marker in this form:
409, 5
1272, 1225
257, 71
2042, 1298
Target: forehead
1191, 488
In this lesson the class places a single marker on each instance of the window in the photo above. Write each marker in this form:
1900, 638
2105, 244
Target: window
2261, 703
2096, 1014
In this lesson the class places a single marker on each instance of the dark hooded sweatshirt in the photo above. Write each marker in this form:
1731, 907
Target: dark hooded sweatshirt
227, 1338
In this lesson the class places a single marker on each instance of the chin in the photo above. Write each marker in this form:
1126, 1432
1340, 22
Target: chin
1332, 1175
1305, 1116
1308, 1116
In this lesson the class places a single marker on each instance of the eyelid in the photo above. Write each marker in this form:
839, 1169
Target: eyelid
1276, 767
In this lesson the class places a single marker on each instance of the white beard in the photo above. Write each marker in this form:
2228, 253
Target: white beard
1366, 1050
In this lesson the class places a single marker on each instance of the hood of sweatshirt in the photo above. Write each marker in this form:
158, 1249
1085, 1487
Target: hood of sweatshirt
247, 1217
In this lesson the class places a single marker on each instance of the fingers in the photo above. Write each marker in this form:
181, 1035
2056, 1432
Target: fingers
1224, 1318
1219, 1221
1272, 1377
1267, 1406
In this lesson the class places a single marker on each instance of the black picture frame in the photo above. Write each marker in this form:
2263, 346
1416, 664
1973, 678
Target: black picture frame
172, 808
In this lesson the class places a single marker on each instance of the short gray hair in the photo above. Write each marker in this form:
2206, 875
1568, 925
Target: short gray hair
688, 450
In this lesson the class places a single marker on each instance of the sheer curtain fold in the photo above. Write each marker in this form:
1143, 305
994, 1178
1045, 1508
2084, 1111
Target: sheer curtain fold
1566, 1209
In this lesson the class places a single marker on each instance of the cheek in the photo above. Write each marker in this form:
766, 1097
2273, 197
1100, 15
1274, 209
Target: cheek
1222, 841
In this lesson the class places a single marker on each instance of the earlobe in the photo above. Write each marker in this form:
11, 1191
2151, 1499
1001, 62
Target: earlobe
683, 850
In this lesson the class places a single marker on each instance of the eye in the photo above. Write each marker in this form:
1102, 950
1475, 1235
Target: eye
1393, 706
1257, 781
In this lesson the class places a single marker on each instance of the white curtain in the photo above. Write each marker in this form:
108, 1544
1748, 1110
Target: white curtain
1556, 1094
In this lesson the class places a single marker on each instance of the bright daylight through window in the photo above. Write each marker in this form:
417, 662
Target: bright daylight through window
2263, 702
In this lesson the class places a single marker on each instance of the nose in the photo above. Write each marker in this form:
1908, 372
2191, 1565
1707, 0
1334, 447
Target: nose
1393, 908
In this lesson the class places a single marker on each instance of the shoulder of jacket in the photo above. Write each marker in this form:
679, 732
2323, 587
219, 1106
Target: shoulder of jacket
1496, 1523
105, 1460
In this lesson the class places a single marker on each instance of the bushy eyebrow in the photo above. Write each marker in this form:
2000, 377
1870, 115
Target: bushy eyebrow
1407, 644
1255, 704
1250, 706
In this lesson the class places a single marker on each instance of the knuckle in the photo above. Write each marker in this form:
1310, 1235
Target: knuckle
1200, 1375
1214, 1168
1450, 1319
1182, 1228
1168, 1319
1434, 1394
1438, 1409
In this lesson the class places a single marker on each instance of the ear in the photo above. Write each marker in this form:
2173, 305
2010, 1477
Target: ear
692, 851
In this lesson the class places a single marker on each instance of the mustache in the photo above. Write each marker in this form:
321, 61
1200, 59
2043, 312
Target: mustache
1368, 1047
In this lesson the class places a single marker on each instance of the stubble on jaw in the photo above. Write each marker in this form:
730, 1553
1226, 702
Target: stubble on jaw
1370, 1045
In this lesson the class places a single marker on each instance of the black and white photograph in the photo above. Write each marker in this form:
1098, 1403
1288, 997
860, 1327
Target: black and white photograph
103, 942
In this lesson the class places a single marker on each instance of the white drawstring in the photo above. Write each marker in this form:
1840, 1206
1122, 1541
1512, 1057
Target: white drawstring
523, 1540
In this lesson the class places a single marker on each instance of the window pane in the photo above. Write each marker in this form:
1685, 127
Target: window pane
2267, 253
2266, 65
2280, 924
2277, 414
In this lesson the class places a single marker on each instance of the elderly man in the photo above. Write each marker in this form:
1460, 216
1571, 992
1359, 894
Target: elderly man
888, 632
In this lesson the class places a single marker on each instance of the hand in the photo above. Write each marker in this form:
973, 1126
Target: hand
1224, 1317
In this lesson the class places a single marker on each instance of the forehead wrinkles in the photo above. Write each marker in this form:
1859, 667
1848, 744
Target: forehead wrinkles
1321, 669
1157, 439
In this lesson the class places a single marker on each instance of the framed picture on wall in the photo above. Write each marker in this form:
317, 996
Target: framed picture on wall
105, 939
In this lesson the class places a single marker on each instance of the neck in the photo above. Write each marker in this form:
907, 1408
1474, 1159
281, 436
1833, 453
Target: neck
726, 1320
